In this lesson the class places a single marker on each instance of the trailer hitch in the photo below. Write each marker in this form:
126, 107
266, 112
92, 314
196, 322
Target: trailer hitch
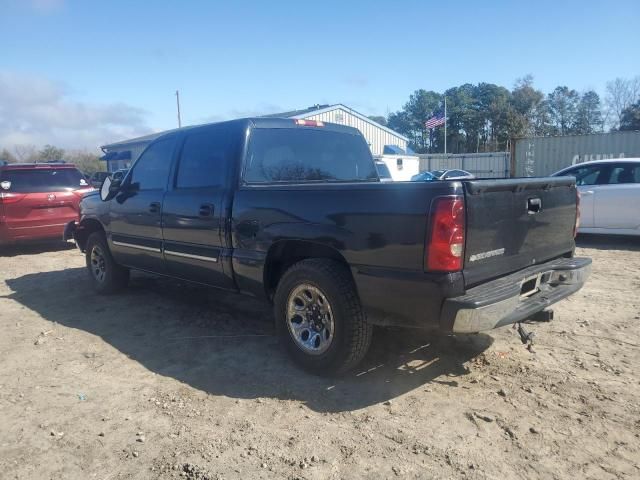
527, 337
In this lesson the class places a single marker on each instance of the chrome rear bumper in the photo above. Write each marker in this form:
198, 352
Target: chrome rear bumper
503, 301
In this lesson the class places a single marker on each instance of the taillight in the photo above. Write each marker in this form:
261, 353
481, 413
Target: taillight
577, 225
81, 191
445, 249
309, 123
6, 197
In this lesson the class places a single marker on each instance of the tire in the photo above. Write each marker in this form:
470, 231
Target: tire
105, 275
344, 333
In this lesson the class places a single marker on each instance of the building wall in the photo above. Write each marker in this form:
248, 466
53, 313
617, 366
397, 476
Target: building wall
135, 149
540, 156
376, 137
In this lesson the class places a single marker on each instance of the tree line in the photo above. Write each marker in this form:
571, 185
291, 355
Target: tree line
484, 117
480, 118
87, 162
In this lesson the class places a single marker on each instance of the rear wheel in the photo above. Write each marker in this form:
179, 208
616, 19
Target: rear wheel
319, 317
105, 275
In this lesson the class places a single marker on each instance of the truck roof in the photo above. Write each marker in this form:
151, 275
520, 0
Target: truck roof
256, 122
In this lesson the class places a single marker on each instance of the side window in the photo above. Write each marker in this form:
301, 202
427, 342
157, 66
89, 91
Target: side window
152, 169
205, 158
587, 175
624, 173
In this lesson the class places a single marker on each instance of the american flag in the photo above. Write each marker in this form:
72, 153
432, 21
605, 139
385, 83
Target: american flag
435, 121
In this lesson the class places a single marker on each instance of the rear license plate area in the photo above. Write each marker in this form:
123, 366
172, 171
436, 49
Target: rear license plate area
530, 285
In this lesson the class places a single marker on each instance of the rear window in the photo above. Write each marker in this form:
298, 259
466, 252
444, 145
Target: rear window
41, 180
298, 155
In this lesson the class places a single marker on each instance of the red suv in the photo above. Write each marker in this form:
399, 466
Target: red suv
38, 199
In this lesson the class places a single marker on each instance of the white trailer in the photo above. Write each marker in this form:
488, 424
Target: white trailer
401, 167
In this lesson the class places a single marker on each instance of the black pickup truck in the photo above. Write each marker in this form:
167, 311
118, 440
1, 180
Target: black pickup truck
293, 211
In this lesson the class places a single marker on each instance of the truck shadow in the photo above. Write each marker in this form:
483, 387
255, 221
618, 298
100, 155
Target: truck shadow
35, 248
224, 344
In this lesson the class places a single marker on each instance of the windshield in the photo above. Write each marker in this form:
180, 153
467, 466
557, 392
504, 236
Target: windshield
41, 180
298, 155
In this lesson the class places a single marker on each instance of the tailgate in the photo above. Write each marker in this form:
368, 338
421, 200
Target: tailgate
515, 223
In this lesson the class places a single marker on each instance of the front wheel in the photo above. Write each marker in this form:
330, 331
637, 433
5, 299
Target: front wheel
105, 275
319, 317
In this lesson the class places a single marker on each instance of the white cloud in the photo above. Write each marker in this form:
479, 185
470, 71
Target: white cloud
35, 110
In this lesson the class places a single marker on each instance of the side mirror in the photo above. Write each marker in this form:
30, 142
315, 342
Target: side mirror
109, 189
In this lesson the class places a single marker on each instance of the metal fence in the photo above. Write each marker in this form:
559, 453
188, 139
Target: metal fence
540, 156
482, 165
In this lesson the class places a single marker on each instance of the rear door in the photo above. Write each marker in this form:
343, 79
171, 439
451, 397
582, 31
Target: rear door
38, 201
194, 213
135, 230
618, 196
512, 224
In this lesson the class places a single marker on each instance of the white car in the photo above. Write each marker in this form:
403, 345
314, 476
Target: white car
609, 195
453, 175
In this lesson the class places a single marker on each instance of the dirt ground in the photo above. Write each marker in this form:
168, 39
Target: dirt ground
171, 380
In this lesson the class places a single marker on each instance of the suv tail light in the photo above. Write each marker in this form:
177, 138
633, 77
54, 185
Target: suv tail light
577, 225
445, 248
6, 197
81, 191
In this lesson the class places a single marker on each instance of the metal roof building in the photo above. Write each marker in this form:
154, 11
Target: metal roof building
377, 135
123, 154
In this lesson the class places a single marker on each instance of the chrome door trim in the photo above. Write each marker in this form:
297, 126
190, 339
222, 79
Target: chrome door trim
139, 247
190, 255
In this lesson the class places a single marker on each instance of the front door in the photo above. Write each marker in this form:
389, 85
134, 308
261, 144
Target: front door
135, 230
193, 213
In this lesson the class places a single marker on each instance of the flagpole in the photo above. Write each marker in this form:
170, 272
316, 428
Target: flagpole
445, 125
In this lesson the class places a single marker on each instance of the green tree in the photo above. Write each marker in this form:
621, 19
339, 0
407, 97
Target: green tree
410, 121
87, 162
630, 118
7, 156
563, 104
588, 114
378, 119
49, 152
528, 114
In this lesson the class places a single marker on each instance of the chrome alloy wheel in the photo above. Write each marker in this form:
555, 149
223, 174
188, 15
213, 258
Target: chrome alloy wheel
98, 264
310, 319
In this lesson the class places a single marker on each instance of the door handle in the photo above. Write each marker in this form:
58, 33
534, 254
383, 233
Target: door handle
206, 210
154, 207
584, 193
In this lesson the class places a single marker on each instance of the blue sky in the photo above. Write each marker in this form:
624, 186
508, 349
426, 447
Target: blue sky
81, 73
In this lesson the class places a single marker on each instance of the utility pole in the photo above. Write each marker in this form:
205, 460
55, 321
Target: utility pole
178, 105
445, 125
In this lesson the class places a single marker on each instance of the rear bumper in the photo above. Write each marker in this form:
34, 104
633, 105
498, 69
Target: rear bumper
32, 233
69, 231
500, 302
